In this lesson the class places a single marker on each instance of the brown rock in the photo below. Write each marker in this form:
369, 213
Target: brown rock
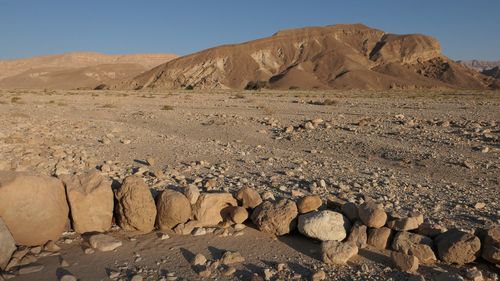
239, 214
404, 241
309, 203
229, 258
276, 218
379, 237
47, 215
456, 246
431, 229
337, 253
372, 214
406, 223
423, 252
173, 208
350, 210
90, 199
405, 262
249, 197
491, 245
136, 209
7, 245
210, 208
358, 235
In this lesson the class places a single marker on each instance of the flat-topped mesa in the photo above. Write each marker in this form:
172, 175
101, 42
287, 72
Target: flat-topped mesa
331, 57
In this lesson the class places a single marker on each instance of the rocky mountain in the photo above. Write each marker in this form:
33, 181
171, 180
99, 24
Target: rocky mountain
479, 65
493, 72
75, 70
330, 57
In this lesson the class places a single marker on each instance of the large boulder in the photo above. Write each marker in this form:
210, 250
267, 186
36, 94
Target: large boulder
136, 209
211, 208
173, 208
7, 245
276, 218
309, 203
456, 246
324, 225
337, 253
404, 240
491, 245
372, 214
411, 222
379, 237
249, 197
34, 208
90, 200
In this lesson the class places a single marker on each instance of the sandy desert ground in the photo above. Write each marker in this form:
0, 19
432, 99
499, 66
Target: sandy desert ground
437, 153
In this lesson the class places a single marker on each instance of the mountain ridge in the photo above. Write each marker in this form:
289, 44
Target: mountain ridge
332, 57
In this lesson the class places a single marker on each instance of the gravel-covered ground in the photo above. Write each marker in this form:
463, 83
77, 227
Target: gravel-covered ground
437, 153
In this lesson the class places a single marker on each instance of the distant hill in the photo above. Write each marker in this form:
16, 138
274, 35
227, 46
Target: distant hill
331, 57
75, 70
480, 65
493, 72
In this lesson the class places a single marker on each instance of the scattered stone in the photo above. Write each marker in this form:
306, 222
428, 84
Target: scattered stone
455, 246
89, 251
63, 263
249, 197
318, 276
47, 215
372, 214
480, 205
239, 227
309, 203
406, 224
32, 268
173, 208
276, 218
269, 273
90, 199
491, 245
358, 235
405, 262
210, 207
239, 215
136, 209
199, 231
229, 258
337, 253
104, 242
205, 273
350, 210
51, 246
113, 274
136, 277
474, 274
7, 245
199, 259
164, 236
379, 237
36, 250
324, 225
68, 277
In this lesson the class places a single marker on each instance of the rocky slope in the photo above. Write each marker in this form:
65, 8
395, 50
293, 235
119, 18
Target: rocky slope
331, 57
75, 70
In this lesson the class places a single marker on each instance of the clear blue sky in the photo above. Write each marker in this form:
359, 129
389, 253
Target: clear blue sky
466, 28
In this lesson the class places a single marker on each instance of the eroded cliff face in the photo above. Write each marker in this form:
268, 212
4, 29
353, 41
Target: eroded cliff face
339, 56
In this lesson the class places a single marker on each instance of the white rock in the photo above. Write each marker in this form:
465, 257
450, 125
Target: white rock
324, 225
104, 243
